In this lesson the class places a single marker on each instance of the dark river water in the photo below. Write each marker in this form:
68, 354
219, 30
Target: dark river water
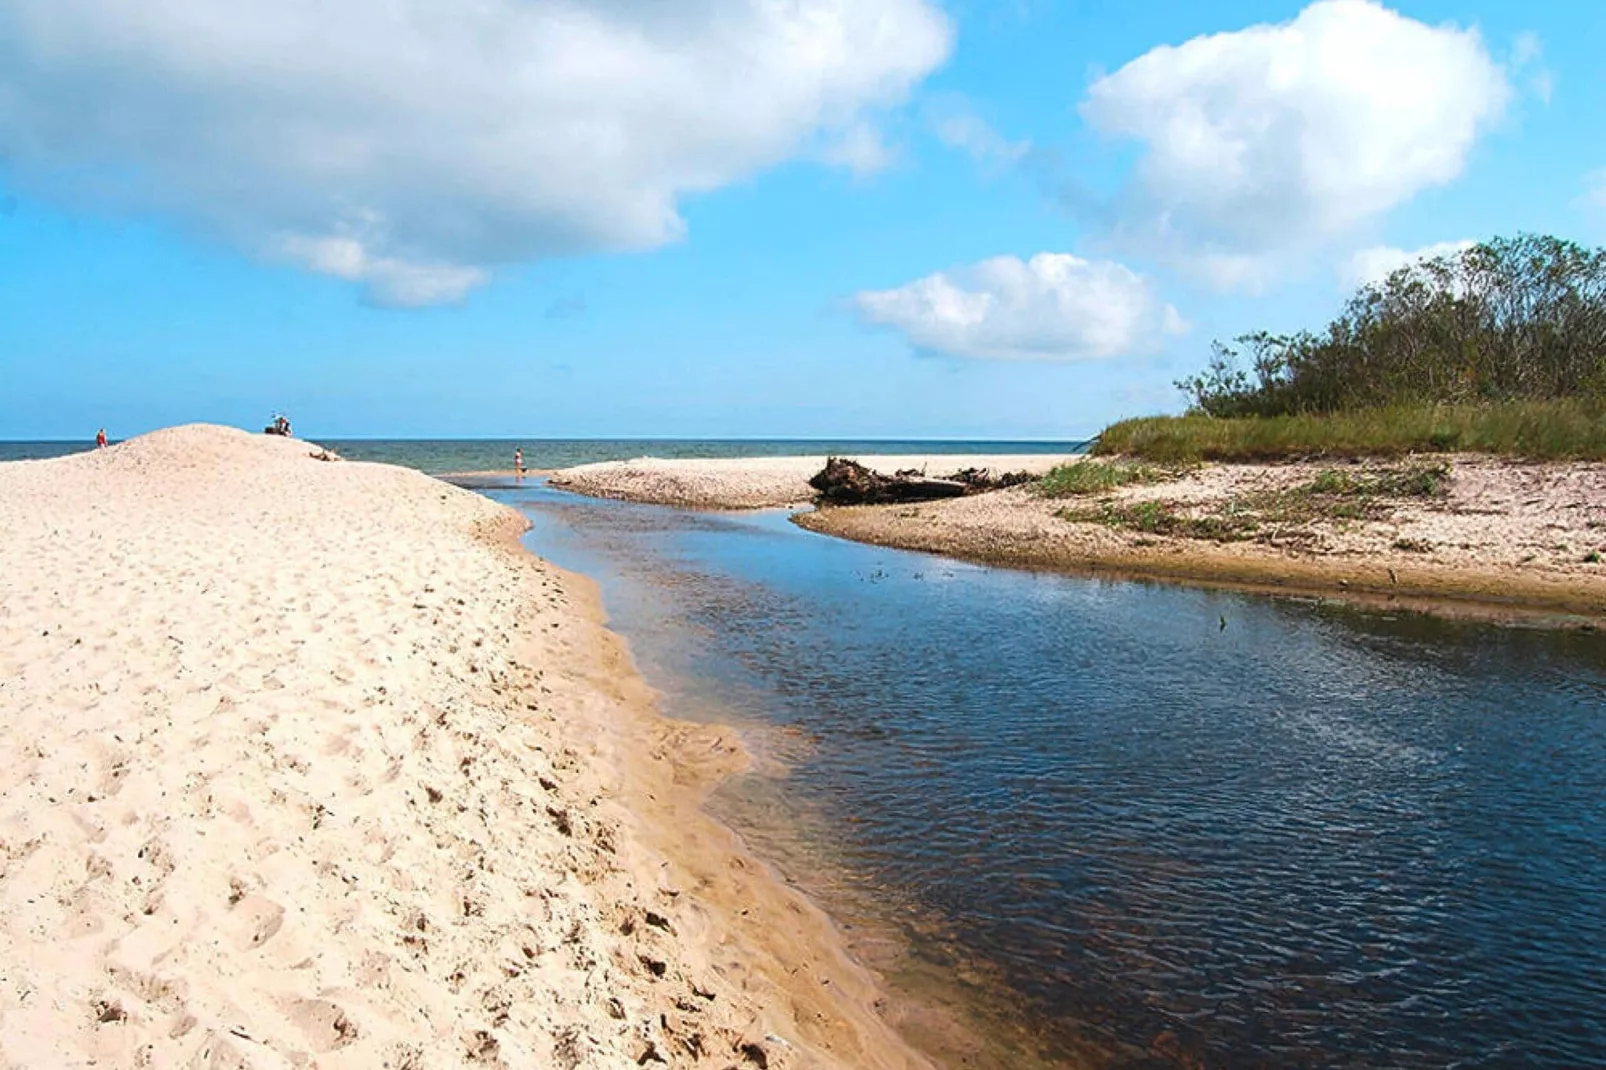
1117, 823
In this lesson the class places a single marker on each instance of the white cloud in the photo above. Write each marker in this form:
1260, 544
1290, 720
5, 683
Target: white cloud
1528, 57
1276, 139
1052, 307
861, 149
392, 282
1527, 48
958, 127
1374, 265
415, 145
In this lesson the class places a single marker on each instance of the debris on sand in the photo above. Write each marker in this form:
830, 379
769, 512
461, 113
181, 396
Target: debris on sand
847, 482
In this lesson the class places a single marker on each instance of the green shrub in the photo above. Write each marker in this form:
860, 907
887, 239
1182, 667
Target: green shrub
1510, 319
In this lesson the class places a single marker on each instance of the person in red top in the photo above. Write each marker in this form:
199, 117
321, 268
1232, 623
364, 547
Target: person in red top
100, 438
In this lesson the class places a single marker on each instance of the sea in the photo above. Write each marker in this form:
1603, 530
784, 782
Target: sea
438, 456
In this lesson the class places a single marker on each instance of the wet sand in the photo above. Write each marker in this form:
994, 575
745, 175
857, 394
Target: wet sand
308, 762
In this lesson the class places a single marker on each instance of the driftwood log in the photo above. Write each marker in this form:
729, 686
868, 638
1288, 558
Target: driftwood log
846, 482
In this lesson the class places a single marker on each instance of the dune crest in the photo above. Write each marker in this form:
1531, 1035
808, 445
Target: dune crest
307, 764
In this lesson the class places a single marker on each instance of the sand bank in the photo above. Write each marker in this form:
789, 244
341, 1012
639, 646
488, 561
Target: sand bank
759, 482
1528, 536
306, 763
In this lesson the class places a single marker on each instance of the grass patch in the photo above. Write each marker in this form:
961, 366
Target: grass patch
1537, 430
1163, 518
1412, 481
1334, 495
1095, 477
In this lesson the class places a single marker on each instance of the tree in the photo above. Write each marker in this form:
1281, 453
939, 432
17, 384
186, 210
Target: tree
1512, 318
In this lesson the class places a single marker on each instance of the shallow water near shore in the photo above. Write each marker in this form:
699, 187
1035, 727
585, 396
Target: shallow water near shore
1118, 823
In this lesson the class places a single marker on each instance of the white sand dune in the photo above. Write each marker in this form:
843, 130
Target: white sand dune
306, 764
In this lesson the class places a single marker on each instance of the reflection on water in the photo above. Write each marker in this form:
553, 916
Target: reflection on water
1311, 837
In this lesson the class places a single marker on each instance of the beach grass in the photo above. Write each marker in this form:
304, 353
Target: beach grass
1096, 477
1332, 495
1534, 430
1165, 518
1409, 481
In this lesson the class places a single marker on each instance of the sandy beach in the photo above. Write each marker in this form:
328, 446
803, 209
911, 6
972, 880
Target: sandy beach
758, 482
308, 763
1503, 535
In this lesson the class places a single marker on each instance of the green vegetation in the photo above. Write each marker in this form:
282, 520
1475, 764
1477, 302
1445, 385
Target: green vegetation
1332, 495
1412, 481
1164, 518
1095, 477
1511, 319
1500, 349
1542, 430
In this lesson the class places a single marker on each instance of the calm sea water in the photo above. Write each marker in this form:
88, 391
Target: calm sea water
38, 451
479, 455
1136, 825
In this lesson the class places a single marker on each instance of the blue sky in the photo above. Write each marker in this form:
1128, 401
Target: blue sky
786, 221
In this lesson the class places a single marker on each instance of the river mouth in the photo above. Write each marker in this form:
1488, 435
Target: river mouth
1114, 823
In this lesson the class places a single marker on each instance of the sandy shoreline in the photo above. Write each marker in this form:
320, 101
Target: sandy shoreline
308, 763
1506, 537
758, 482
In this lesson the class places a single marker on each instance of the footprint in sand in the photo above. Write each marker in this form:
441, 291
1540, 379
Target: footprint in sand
324, 1024
255, 921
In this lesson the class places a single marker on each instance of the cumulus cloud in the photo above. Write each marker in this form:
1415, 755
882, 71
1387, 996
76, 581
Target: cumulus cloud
1376, 264
1052, 307
389, 281
414, 145
1278, 138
